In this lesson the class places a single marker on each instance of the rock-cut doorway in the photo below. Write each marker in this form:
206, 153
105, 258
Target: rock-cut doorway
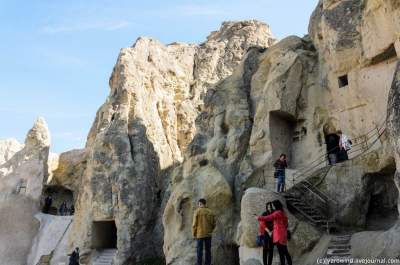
104, 234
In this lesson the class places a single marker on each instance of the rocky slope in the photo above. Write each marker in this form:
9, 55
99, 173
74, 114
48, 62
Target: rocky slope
144, 127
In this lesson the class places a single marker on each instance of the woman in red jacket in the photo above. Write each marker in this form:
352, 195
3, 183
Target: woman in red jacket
279, 234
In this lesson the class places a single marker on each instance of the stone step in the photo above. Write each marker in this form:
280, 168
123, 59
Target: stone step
107, 255
347, 237
101, 258
339, 247
339, 255
103, 261
340, 241
338, 251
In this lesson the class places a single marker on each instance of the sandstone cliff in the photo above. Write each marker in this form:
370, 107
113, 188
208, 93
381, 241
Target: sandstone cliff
143, 129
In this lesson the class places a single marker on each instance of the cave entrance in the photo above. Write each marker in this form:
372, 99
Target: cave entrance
281, 125
227, 254
104, 234
383, 199
60, 197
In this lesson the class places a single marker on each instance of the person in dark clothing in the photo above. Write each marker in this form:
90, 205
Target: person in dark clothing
74, 257
268, 247
63, 208
48, 201
332, 147
280, 166
280, 221
72, 210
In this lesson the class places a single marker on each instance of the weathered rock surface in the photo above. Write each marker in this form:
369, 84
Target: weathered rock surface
353, 32
52, 231
18, 227
385, 243
235, 140
8, 148
144, 127
67, 169
21, 181
286, 100
28, 167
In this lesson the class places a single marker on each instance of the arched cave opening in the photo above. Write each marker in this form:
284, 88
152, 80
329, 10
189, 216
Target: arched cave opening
59, 196
383, 196
104, 234
281, 126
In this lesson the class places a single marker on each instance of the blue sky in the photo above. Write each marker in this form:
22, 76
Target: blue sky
56, 56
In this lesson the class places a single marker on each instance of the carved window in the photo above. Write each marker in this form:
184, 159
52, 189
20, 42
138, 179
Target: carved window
343, 81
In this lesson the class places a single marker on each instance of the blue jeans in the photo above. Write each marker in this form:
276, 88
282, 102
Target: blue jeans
207, 243
281, 183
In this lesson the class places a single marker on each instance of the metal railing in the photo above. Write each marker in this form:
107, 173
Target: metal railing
361, 145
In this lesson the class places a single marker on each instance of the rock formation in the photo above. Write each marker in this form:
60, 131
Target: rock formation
186, 121
21, 180
28, 167
144, 127
8, 148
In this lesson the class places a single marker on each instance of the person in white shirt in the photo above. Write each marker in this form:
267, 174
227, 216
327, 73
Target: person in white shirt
344, 145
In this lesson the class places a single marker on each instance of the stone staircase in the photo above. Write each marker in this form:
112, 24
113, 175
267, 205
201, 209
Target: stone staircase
104, 257
339, 249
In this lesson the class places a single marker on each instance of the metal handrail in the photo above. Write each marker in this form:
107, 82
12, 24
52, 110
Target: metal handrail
354, 145
306, 169
322, 196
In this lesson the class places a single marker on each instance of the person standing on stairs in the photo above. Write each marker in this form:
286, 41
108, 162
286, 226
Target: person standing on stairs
332, 146
279, 234
280, 167
268, 226
74, 257
344, 145
48, 201
202, 228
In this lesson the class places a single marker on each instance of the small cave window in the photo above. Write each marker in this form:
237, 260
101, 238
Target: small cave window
203, 162
343, 81
224, 128
299, 135
21, 186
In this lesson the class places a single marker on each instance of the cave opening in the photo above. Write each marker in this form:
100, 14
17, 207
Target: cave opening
343, 81
62, 200
387, 55
227, 254
383, 196
104, 234
281, 126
